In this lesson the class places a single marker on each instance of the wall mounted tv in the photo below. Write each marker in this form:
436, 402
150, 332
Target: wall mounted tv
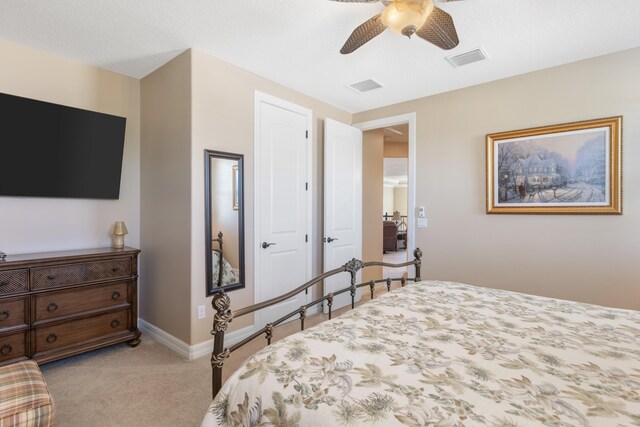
50, 150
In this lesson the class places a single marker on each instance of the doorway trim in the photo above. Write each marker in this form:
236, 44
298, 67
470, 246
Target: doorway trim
410, 120
258, 98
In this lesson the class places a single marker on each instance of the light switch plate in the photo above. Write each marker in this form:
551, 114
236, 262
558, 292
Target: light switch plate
422, 222
201, 312
422, 212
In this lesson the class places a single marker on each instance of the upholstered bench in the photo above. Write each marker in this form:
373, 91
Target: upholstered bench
24, 397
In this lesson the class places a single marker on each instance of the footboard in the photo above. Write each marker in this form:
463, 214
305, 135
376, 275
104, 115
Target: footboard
224, 315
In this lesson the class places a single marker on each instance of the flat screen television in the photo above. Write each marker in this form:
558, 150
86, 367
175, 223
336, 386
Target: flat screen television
50, 150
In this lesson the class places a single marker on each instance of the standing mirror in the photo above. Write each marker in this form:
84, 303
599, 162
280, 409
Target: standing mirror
224, 221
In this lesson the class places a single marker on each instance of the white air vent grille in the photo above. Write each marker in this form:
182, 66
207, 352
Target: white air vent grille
365, 86
467, 58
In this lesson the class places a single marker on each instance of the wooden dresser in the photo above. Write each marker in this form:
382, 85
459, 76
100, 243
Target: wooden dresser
57, 304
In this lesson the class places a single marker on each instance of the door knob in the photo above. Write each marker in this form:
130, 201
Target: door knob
265, 245
330, 239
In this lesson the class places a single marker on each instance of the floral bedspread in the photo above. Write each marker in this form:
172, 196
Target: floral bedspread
229, 275
445, 354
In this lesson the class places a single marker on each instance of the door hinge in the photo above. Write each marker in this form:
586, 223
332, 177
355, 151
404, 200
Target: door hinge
306, 238
306, 186
306, 134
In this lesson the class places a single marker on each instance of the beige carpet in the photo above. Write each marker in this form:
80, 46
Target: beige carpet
121, 386
145, 386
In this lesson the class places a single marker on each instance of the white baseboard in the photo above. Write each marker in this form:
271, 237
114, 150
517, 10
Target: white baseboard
230, 338
185, 350
202, 349
164, 338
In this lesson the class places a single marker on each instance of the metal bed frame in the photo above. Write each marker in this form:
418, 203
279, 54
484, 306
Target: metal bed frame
224, 315
221, 257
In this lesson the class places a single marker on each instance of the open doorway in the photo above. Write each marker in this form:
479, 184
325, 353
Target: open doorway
395, 199
388, 190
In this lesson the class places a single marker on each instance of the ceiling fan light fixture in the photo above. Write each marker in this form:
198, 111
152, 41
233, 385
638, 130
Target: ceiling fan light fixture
406, 16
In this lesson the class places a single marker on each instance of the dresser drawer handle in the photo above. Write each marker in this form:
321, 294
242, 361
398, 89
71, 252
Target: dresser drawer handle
6, 349
52, 338
52, 307
4, 283
51, 277
115, 269
115, 295
4, 315
115, 323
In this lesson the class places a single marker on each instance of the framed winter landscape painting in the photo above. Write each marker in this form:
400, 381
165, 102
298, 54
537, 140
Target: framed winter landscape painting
572, 168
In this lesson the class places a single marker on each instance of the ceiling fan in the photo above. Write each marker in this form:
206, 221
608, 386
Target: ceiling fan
406, 17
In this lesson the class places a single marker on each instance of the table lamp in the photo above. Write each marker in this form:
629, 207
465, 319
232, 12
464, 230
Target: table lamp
119, 230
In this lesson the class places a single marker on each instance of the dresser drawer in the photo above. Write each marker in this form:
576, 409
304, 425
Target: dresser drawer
62, 275
51, 305
13, 282
12, 312
80, 331
13, 346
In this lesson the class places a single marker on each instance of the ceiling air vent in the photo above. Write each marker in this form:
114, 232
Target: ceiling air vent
365, 86
467, 58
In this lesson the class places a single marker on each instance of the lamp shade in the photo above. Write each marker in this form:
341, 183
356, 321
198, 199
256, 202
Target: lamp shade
407, 16
120, 228
396, 216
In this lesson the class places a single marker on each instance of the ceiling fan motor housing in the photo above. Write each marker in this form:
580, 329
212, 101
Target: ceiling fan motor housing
409, 30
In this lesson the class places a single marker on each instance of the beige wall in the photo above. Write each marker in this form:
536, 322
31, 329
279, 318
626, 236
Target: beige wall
36, 224
372, 188
165, 268
585, 258
400, 200
387, 200
222, 120
396, 149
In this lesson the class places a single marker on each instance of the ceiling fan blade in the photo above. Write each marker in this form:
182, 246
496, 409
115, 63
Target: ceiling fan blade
439, 30
363, 34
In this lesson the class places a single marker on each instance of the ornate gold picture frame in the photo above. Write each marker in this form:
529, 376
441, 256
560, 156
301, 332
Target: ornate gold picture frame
571, 168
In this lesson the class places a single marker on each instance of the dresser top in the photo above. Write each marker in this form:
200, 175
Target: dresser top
20, 259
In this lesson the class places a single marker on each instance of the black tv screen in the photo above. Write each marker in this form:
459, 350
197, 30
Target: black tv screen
50, 150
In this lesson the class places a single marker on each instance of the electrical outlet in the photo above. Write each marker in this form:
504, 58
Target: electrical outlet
201, 312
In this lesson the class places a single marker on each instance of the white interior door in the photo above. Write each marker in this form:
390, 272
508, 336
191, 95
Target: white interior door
283, 204
342, 204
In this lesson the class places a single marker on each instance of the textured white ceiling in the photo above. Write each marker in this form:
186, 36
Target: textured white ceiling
391, 136
296, 42
395, 167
